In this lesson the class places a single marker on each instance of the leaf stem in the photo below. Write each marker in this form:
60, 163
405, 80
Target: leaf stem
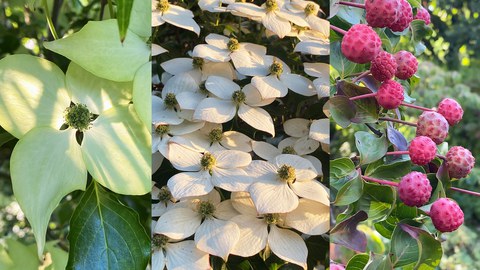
51, 26
416, 107
380, 181
465, 191
363, 96
397, 121
110, 9
350, 4
338, 29
363, 74
397, 153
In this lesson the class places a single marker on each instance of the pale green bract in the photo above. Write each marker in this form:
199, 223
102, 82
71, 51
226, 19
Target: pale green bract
48, 163
97, 48
141, 98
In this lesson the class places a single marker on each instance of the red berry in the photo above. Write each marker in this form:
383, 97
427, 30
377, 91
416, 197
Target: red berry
460, 162
383, 67
422, 150
407, 65
432, 125
422, 14
382, 13
405, 17
390, 95
446, 215
451, 110
361, 44
414, 189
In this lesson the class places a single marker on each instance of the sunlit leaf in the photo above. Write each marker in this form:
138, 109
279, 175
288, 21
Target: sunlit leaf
124, 9
142, 94
346, 234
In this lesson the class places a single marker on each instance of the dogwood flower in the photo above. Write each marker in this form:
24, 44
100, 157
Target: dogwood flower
184, 89
214, 5
164, 112
308, 11
198, 67
162, 134
157, 159
299, 128
320, 130
165, 199
157, 49
322, 82
203, 171
278, 184
258, 231
313, 46
163, 11
213, 235
229, 101
177, 255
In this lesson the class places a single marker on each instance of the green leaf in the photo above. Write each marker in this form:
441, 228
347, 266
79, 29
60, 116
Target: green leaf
430, 249
46, 165
350, 192
59, 256
141, 19
358, 262
142, 94
32, 94
342, 170
124, 10
96, 47
346, 234
105, 232
342, 110
22, 257
378, 201
404, 248
378, 261
370, 147
5, 137
366, 108
117, 151
339, 62
389, 171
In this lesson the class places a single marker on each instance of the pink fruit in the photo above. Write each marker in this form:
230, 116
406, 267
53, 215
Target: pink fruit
405, 17
422, 150
414, 189
382, 13
390, 95
451, 110
361, 44
407, 65
432, 125
446, 215
422, 14
460, 162
383, 67
336, 267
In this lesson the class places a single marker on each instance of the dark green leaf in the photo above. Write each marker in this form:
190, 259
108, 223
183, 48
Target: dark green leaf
5, 137
342, 110
370, 147
124, 9
350, 192
339, 62
346, 234
105, 232
342, 170
404, 248
430, 249
378, 261
389, 171
377, 200
357, 262
366, 108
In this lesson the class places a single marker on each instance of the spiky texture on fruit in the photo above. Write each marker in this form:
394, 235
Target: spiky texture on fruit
446, 215
432, 125
422, 150
414, 189
361, 44
451, 110
334, 266
407, 65
382, 13
390, 94
384, 66
460, 162
422, 14
405, 17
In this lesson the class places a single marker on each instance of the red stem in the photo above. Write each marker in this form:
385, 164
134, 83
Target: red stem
363, 96
465, 191
397, 121
380, 181
416, 107
363, 74
357, 5
338, 30
397, 153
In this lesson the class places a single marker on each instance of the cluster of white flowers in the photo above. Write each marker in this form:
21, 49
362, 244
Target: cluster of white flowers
233, 194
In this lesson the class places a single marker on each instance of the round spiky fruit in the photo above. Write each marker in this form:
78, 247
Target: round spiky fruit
405, 17
460, 162
446, 215
422, 14
451, 110
361, 44
390, 95
414, 189
432, 125
382, 13
383, 67
407, 65
422, 150
334, 266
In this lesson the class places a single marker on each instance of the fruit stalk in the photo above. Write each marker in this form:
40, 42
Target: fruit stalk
380, 181
465, 191
350, 4
393, 153
363, 96
416, 107
338, 29
397, 121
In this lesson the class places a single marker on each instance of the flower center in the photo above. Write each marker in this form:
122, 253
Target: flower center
289, 150
272, 218
233, 44
159, 241
276, 68
238, 97
286, 173
206, 209
78, 117
271, 5
207, 162
198, 62
163, 5
171, 100
203, 89
162, 129
215, 135
164, 195
310, 9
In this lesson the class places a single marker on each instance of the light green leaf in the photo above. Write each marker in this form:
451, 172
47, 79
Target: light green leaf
342, 170
97, 93
21, 256
59, 256
370, 147
378, 261
116, 150
141, 19
142, 94
389, 171
97, 48
350, 192
404, 248
378, 201
124, 9
32, 94
46, 165
104, 232
358, 262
